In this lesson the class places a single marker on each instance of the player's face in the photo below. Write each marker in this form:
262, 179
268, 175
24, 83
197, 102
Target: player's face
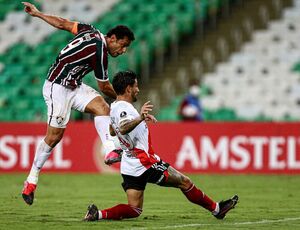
117, 47
134, 91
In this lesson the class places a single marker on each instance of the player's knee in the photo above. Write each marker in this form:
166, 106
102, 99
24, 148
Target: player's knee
103, 110
98, 107
186, 183
53, 140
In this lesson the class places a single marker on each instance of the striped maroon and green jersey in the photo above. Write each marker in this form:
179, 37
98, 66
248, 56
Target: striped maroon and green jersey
87, 51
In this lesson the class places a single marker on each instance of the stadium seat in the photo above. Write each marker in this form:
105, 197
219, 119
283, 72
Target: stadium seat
163, 20
249, 79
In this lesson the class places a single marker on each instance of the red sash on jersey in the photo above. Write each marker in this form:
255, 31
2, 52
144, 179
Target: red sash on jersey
147, 160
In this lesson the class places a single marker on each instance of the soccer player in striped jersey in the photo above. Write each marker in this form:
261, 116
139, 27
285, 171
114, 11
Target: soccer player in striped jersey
63, 89
140, 165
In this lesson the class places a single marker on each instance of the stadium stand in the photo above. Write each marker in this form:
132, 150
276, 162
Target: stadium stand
164, 22
259, 81
25, 58
162, 29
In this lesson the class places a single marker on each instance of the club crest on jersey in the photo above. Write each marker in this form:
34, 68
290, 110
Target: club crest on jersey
59, 120
123, 114
87, 37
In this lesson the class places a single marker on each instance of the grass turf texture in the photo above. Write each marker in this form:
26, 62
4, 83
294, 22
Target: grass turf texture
266, 202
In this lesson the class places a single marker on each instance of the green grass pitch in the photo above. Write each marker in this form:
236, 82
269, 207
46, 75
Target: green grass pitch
266, 202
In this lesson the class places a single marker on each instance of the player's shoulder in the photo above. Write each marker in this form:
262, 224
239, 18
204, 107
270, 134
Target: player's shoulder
83, 28
86, 26
119, 106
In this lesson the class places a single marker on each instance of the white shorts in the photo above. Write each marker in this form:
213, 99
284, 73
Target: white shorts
60, 100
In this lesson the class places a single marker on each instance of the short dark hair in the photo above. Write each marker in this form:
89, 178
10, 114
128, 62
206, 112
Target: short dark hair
123, 79
121, 31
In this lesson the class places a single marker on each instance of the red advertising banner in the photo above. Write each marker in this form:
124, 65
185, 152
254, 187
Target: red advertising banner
189, 147
230, 147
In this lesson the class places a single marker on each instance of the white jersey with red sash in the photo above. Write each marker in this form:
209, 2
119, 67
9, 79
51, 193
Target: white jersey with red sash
138, 154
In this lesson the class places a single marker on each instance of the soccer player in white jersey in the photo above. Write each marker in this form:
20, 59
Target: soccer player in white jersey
140, 165
63, 89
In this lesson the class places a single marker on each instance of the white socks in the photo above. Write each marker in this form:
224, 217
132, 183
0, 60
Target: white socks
43, 150
102, 127
42, 153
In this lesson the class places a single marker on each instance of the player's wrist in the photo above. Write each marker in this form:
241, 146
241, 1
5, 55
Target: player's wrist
142, 116
38, 14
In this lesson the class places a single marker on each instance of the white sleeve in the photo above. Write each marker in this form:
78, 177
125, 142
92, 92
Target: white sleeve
125, 114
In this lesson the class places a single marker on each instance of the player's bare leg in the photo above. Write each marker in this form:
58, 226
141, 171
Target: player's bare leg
42, 153
97, 107
135, 198
178, 180
196, 196
100, 109
54, 135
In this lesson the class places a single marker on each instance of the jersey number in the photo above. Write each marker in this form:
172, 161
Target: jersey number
72, 45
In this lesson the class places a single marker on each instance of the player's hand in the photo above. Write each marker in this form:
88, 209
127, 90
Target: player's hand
146, 108
150, 118
30, 9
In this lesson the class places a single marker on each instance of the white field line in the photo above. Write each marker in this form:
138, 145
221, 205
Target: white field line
228, 224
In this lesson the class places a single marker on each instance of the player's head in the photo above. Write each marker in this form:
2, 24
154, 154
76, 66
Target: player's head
125, 84
118, 39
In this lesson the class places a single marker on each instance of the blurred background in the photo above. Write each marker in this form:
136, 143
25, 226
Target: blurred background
244, 55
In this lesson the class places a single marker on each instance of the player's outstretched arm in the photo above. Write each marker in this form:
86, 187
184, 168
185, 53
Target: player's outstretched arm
57, 22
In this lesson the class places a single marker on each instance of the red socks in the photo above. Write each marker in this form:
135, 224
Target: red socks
196, 196
123, 211
119, 212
